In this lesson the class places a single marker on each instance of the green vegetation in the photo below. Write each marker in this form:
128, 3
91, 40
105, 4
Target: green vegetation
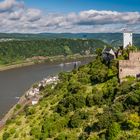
20, 50
125, 52
88, 103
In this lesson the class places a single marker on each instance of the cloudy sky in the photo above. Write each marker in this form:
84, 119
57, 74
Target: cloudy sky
35, 16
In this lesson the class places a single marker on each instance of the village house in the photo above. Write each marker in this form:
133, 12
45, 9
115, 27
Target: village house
35, 101
33, 93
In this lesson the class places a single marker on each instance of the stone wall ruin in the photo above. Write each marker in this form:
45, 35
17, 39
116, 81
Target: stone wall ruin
130, 67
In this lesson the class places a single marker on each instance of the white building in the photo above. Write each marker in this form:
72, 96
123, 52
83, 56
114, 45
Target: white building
127, 39
32, 92
35, 101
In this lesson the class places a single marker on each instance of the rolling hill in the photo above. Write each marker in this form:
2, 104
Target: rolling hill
114, 39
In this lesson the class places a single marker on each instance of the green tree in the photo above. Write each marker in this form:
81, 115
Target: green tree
35, 132
6, 135
61, 136
75, 121
113, 131
98, 72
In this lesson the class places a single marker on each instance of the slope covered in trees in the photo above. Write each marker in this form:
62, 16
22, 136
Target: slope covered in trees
12, 51
114, 39
88, 103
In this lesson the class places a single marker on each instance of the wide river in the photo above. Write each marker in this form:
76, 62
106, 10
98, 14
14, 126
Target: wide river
15, 82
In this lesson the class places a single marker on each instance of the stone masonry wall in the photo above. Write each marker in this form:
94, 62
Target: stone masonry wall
130, 67
134, 56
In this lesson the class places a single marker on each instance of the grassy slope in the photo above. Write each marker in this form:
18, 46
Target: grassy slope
44, 121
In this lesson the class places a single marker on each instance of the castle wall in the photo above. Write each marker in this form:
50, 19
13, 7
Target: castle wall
130, 67
134, 56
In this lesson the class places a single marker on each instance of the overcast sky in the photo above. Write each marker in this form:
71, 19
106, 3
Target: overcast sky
35, 16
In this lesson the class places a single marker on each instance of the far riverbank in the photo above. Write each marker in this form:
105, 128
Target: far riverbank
47, 60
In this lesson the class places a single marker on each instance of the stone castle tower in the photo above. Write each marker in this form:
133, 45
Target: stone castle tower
127, 39
130, 67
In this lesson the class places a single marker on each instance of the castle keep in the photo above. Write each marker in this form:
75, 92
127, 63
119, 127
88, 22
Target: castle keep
130, 67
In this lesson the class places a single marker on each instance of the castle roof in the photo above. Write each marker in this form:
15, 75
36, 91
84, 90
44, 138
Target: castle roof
108, 50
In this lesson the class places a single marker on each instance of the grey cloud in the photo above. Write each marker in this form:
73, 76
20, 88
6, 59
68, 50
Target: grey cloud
16, 15
33, 15
93, 17
8, 5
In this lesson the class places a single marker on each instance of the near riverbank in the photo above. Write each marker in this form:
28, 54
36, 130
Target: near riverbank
16, 109
31, 97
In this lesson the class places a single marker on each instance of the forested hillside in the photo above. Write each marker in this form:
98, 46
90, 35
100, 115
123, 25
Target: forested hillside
88, 103
114, 39
12, 51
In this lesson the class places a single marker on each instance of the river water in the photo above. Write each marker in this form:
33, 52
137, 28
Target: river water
15, 82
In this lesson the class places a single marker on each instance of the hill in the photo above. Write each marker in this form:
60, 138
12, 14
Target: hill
114, 39
18, 50
88, 103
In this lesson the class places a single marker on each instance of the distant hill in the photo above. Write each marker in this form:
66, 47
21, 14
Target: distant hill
114, 39
15, 50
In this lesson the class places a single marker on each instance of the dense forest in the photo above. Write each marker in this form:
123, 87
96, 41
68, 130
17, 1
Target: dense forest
88, 103
114, 39
12, 51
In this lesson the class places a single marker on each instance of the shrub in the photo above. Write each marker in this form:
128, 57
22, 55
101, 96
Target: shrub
93, 137
61, 136
74, 87
94, 99
53, 124
5, 136
98, 72
83, 136
12, 131
133, 121
18, 123
125, 87
89, 101
18, 106
133, 99
70, 103
35, 132
29, 110
106, 119
117, 110
75, 121
113, 131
